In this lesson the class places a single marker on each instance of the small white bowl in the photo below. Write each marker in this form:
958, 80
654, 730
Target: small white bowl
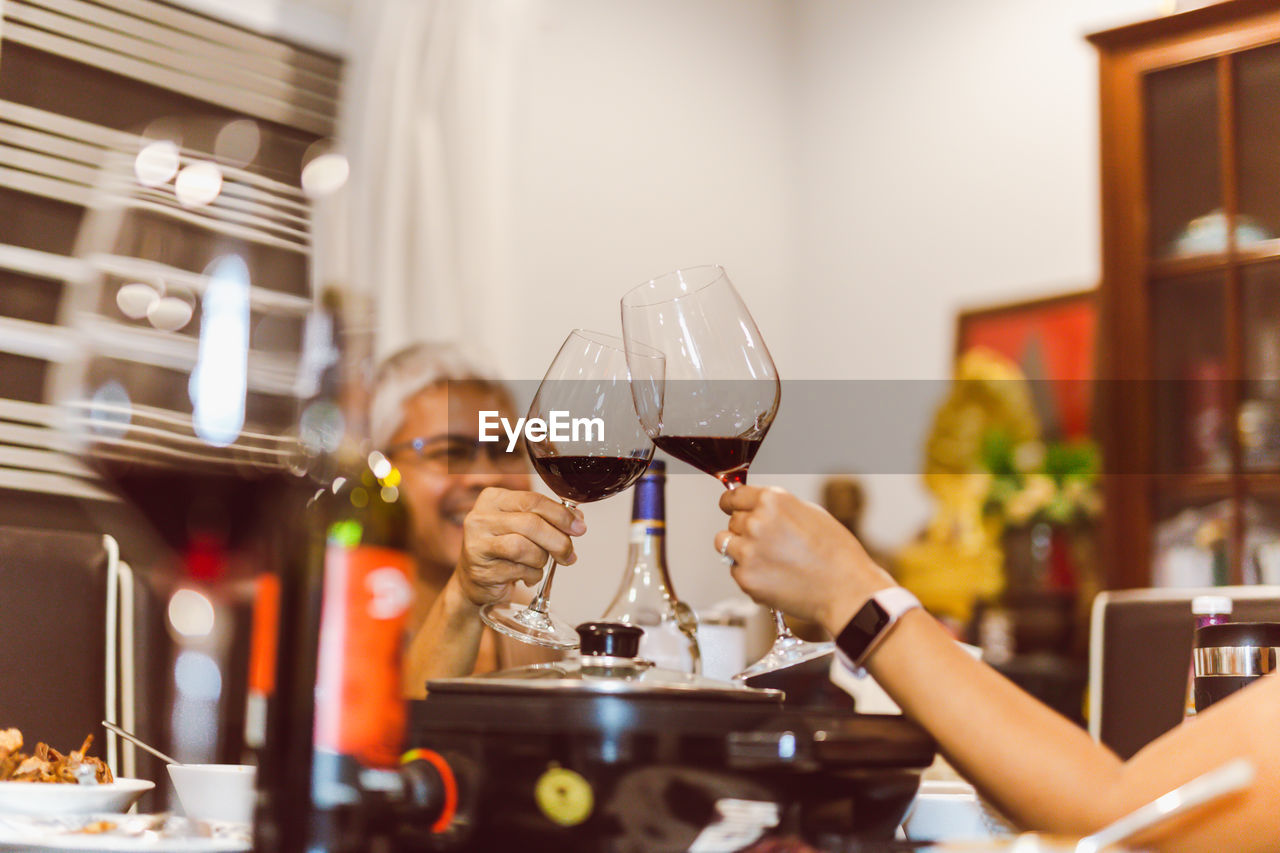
215, 791
40, 798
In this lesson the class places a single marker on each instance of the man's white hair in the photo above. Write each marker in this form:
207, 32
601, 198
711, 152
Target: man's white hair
412, 370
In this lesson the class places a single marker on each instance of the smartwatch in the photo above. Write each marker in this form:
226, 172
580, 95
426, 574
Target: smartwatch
871, 624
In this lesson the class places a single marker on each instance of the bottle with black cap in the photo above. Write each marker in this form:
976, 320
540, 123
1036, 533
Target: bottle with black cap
1208, 610
1231, 656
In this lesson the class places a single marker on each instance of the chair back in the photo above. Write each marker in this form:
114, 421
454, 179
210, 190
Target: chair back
1140, 657
59, 664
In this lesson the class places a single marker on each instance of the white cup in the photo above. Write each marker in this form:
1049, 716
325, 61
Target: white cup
724, 650
215, 791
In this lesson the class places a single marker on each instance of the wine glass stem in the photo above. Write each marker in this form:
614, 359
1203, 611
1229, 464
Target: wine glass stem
779, 621
780, 624
543, 598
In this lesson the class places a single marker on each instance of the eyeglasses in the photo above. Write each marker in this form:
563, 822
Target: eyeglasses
458, 454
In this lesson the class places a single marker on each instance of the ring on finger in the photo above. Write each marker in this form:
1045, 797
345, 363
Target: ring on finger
724, 550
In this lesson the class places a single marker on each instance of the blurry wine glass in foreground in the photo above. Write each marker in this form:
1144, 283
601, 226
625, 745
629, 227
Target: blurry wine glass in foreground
593, 447
226, 402
197, 340
721, 395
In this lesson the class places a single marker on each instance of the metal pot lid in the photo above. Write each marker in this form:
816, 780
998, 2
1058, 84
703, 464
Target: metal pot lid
593, 675
607, 664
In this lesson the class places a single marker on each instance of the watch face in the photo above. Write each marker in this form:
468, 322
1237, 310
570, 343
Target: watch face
864, 627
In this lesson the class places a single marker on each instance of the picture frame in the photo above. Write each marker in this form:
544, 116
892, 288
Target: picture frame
1053, 341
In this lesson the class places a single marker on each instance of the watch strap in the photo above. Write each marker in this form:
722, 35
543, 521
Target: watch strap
871, 624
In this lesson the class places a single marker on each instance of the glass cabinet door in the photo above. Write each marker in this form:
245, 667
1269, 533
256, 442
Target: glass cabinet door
1185, 175
1257, 122
1258, 418
1190, 372
1260, 561
1191, 542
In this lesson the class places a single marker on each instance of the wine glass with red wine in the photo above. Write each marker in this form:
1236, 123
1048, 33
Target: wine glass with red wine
213, 386
721, 395
196, 345
590, 446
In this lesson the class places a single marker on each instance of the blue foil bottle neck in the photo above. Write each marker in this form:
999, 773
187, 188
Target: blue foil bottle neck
649, 503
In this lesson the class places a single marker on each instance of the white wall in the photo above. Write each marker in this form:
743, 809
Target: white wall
863, 169
950, 160
650, 135
318, 24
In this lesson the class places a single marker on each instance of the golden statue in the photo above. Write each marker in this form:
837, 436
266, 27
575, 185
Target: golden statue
957, 559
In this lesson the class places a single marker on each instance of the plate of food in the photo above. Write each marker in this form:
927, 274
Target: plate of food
48, 782
117, 833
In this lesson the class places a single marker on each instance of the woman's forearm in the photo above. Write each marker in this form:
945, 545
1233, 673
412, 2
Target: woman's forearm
1044, 772
1034, 765
447, 644
1047, 774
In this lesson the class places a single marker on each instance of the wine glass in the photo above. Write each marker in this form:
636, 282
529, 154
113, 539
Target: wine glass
196, 347
722, 393
207, 384
592, 446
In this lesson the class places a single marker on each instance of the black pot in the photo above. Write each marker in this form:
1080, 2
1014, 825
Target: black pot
1231, 656
611, 754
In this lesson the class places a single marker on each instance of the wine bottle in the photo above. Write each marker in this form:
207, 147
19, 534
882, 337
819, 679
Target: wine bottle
262, 663
365, 599
331, 776
646, 597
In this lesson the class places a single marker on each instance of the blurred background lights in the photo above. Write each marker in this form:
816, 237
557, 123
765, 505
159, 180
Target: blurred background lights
135, 299
321, 426
325, 174
156, 163
191, 613
237, 142
198, 184
170, 313
379, 465
197, 676
110, 410
220, 379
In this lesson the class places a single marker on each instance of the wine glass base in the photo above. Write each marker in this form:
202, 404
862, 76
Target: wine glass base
785, 652
521, 622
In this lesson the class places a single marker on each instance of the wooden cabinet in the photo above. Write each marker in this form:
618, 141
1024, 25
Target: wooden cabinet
1189, 326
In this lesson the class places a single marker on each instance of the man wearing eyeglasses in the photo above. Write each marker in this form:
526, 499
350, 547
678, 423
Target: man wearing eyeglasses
477, 526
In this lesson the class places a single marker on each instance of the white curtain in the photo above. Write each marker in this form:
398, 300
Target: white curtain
425, 122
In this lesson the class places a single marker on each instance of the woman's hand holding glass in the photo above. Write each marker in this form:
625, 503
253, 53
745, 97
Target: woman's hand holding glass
719, 399
792, 555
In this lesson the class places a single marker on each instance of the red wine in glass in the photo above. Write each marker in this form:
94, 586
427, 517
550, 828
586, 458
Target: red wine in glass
589, 378
185, 504
720, 395
724, 457
581, 479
